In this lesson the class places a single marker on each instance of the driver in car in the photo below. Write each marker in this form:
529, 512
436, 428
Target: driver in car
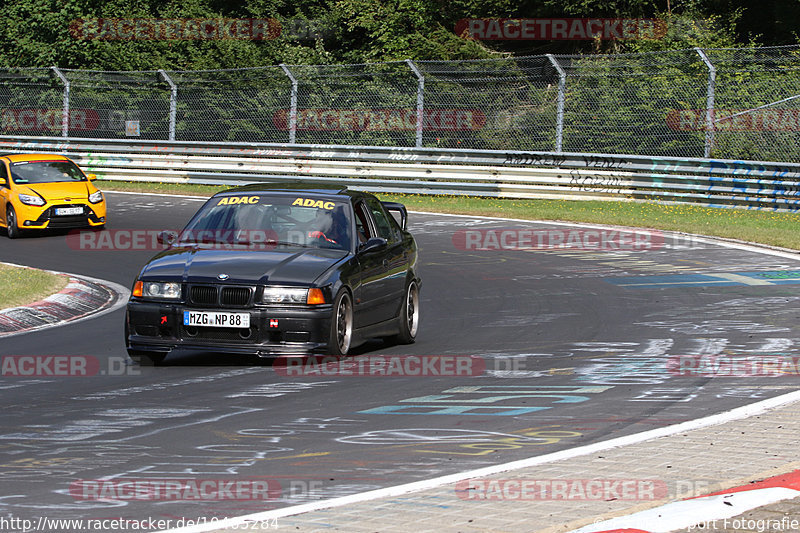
330, 227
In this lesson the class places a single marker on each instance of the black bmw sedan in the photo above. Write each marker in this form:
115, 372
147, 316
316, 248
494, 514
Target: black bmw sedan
278, 269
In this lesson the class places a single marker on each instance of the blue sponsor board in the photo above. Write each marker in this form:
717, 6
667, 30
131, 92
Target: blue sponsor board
718, 279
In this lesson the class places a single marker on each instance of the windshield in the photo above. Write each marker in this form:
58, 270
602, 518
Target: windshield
45, 172
282, 220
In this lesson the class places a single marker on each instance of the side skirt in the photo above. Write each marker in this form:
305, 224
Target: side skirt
386, 328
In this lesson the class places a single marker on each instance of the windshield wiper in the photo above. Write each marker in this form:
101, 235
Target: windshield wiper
288, 243
244, 243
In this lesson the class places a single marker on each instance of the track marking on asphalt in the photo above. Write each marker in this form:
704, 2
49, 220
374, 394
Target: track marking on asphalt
416, 486
721, 418
715, 241
650, 282
727, 279
742, 279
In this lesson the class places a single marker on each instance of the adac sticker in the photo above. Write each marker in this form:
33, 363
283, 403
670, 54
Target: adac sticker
230, 200
310, 202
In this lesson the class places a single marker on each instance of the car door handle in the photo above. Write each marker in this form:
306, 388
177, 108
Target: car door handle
385, 263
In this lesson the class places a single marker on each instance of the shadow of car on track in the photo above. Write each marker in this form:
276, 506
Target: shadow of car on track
188, 358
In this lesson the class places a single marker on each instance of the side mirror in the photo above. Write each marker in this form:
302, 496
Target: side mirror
167, 237
3, 182
91, 177
400, 209
373, 245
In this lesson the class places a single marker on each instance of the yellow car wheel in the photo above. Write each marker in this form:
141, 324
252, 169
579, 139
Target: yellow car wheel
12, 230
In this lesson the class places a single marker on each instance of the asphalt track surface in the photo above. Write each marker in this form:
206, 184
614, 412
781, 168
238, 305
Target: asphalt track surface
573, 347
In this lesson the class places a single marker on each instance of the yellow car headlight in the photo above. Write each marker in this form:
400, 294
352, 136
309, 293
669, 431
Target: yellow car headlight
30, 199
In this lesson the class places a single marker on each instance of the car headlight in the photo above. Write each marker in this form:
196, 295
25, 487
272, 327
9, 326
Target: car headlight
292, 295
157, 290
96, 197
30, 199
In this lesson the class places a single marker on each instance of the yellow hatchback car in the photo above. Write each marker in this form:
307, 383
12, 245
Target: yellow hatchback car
40, 191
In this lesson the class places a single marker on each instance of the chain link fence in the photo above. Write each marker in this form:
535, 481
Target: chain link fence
741, 103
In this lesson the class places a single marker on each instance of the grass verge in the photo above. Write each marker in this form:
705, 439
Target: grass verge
21, 286
766, 227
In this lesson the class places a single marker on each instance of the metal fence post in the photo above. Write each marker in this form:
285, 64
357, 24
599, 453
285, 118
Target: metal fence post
420, 101
293, 106
562, 88
710, 123
65, 105
173, 102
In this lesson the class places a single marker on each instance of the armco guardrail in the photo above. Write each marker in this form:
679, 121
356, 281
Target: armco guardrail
505, 174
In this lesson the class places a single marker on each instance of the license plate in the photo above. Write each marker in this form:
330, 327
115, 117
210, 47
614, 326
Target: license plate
216, 320
65, 211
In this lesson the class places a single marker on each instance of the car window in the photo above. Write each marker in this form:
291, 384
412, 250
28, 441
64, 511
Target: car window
385, 228
4, 174
394, 221
304, 221
25, 172
362, 223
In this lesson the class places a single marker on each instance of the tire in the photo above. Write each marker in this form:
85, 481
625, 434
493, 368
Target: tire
409, 315
12, 230
340, 337
146, 358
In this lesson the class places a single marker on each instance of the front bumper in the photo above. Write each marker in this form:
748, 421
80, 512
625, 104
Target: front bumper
273, 331
42, 217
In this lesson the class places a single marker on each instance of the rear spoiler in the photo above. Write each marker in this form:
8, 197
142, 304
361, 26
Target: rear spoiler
398, 208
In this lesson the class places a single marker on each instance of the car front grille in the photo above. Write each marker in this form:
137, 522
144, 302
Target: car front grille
68, 222
235, 296
211, 295
64, 221
203, 295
